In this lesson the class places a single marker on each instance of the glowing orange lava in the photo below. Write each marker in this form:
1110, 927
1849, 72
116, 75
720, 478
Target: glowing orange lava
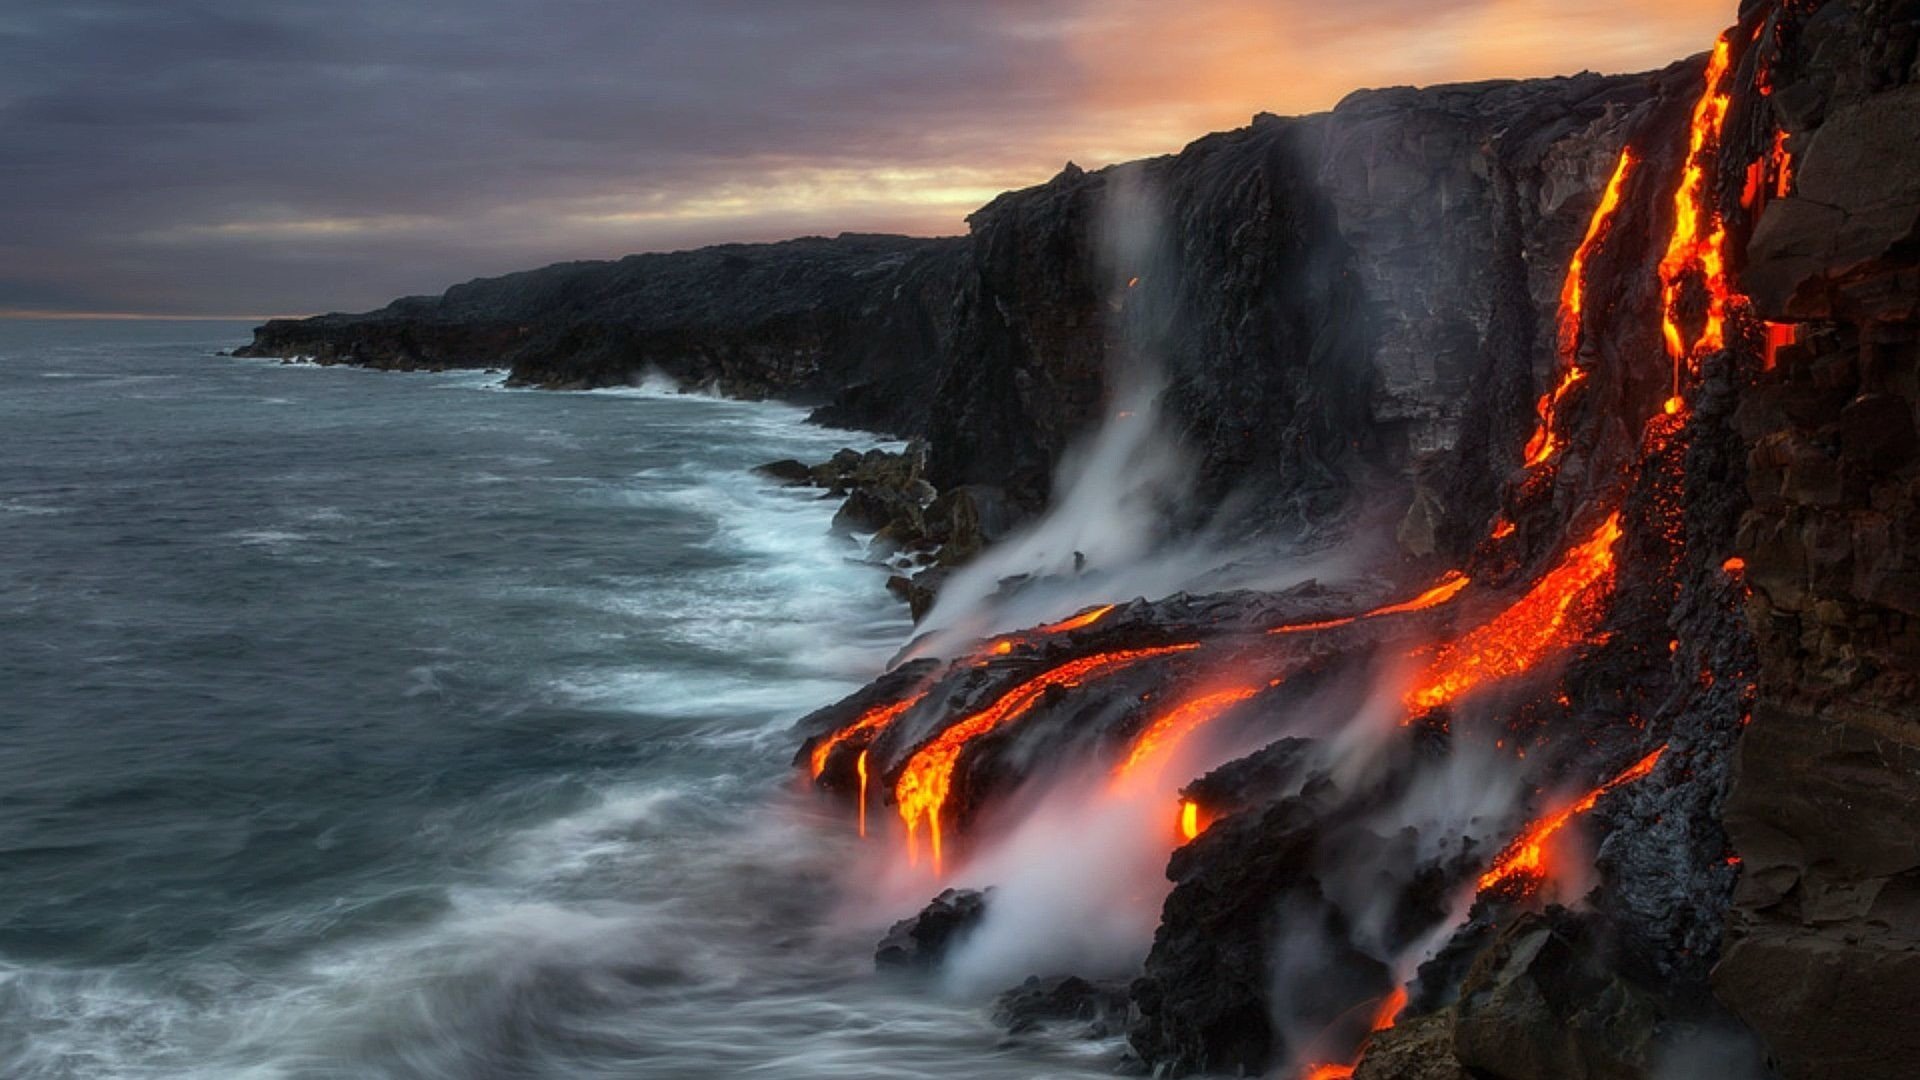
1779, 336
1526, 856
1574, 288
1545, 438
1189, 819
1085, 618
1448, 586
1004, 645
1502, 529
1160, 737
1383, 1018
1782, 161
860, 766
1559, 611
923, 785
1699, 238
872, 720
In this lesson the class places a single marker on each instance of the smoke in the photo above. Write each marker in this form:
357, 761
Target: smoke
1723, 1053
1121, 523
1078, 888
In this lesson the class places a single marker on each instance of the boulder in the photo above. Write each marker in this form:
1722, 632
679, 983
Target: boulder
1096, 1009
923, 941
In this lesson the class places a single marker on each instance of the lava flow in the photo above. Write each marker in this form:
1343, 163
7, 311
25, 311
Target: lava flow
1158, 739
1383, 1018
923, 785
1559, 611
1699, 237
1545, 439
1525, 858
870, 721
1448, 586
1004, 645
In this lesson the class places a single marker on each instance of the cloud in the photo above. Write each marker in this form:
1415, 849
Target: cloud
270, 155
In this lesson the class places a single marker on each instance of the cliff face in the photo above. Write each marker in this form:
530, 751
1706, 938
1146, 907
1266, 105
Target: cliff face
856, 324
1336, 296
1364, 293
1737, 398
1824, 941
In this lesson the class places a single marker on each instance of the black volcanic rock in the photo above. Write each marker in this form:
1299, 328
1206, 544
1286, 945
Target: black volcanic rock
856, 324
1822, 957
923, 941
1098, 1009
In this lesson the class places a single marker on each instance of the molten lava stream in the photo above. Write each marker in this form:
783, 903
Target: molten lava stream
1383, 1018
1699, 238
1444, 590
924, 783
870, 721
1003, 645
1559, 611
1525, 857
1159, 739
1546, 437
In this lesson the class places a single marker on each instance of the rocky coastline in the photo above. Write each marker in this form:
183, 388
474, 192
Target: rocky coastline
1371, 306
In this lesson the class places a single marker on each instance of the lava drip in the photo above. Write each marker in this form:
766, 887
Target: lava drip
1446, 589
860, 768
1546, 439
922, 789
1696, 253
1560, 611
1190, 826
1523, 863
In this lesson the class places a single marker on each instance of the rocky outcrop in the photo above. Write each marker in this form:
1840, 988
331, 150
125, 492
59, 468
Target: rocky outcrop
922, 942
1095, 1010
1824, 938
855, 324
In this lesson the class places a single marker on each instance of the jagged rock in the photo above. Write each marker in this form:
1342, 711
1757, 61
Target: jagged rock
922, 942
1100, 1009
1204, 1002
1834, 247
1547, 1002
788, 471
1416, 1048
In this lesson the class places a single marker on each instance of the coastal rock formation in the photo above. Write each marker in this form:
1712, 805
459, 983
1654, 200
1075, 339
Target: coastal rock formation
854, 324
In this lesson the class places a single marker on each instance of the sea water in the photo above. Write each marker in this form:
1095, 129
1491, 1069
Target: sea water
362, 724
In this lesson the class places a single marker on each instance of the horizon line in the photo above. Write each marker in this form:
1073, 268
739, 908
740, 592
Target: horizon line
44, 315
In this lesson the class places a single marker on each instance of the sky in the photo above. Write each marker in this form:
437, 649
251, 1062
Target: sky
256, 157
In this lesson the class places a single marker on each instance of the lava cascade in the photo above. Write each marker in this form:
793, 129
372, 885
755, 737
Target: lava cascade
922, 789
1559, 611
1546, 439
1697, 249
1383, 1018
1524, 860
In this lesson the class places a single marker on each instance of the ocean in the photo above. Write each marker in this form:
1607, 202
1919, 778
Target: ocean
362, 724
